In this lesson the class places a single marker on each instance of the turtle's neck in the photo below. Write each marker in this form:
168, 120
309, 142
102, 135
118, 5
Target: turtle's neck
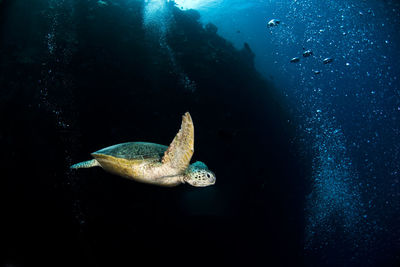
170, 181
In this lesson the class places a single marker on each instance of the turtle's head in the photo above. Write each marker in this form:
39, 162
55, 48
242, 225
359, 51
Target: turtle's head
199, 175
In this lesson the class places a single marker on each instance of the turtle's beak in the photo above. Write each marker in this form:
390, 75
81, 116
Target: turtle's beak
213, 180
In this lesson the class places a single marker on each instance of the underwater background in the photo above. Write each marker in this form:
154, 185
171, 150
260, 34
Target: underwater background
296, 107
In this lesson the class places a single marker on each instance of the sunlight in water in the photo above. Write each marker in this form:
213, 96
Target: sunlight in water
196, 4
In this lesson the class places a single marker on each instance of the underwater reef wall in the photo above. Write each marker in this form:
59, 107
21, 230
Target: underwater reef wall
77, 76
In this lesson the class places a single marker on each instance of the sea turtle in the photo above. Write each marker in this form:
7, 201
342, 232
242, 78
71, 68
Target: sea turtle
153, 163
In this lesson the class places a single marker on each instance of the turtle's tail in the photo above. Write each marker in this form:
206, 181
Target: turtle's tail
86, 164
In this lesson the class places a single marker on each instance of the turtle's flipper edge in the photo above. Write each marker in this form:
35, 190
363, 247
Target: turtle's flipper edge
86, 164
180, 151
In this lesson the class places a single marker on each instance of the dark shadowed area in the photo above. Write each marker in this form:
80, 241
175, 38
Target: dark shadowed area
76, 77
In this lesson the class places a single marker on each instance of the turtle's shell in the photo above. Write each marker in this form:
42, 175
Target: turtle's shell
134, 151
127, 159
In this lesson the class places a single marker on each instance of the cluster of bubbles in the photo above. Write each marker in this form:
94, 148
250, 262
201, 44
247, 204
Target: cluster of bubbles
335, 205
157, 18
54, 81
48, 66
187, 83
350, 113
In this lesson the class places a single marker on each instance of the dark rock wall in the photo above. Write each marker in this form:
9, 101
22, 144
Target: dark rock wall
107, 81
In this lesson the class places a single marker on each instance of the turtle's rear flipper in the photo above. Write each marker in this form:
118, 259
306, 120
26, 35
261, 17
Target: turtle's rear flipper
86, 164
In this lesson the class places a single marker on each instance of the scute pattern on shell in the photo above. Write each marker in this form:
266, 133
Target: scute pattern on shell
135, 150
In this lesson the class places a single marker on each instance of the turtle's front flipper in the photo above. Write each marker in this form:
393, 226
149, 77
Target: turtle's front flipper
180, 151
86, 164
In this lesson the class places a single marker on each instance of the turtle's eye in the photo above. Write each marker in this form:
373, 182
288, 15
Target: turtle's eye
208, 175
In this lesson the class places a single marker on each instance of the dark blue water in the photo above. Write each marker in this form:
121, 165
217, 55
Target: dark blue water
349, 111
306, 153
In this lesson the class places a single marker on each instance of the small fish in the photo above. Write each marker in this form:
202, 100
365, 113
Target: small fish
273, 22
295, 60
307, 53
327, 60
316, 72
